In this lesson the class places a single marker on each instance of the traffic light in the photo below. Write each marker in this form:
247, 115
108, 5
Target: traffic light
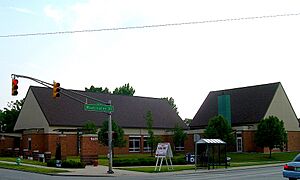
56, 90
14, 88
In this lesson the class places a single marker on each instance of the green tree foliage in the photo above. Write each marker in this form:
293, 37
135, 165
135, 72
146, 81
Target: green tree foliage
98, 89
187, 121
10, 115
271, 133
179, 135
218, 128
152, 140
90, 128
118, 134
125, 90
171, 101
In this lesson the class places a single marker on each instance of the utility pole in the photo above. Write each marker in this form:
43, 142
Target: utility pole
110, 171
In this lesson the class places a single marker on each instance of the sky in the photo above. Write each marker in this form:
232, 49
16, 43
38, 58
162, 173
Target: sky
184, 62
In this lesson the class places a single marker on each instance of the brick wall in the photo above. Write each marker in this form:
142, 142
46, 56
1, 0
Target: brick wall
248, 141
89, 148
38, 142
250, 146
293, 141
47, 143
52, 140
189, 145
63, 140
6, 142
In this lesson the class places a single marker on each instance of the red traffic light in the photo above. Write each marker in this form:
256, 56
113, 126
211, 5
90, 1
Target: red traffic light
14, 88
56, 90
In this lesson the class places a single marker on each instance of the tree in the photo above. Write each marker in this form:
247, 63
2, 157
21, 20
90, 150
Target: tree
187, 121
270, 133
90, 128
98, 89
171, 101
118, 134
125, 90
218, 128
152, 140
179, 135
10, 115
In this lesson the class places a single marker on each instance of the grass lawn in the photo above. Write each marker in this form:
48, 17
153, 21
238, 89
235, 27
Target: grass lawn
26, 161
164, 168
31, 169
261, 157
237, 160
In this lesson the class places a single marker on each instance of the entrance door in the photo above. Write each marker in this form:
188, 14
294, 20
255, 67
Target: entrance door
239, 142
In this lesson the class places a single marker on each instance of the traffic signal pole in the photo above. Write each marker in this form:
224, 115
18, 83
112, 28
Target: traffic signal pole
66, 93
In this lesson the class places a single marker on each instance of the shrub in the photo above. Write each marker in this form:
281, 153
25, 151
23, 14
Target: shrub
72, 164
66, 164
151, 161
51, 163
178, 161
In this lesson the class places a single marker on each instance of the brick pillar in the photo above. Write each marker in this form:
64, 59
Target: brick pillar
89, 148
63, 144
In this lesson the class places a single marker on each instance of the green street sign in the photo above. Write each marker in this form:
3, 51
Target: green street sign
98, 108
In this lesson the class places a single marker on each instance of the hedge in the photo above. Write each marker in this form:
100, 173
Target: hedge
66, 164
151, 161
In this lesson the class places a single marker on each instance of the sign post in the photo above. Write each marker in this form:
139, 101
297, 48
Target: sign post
163, 151
108, 108
110, 171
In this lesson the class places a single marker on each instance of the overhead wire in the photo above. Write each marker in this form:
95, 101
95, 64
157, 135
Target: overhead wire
147, 26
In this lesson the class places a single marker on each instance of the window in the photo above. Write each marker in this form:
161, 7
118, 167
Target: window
147, 147
297, 158
134, 143
29, 144
180, 147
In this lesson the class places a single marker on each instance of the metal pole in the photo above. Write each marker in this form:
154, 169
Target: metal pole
110, 171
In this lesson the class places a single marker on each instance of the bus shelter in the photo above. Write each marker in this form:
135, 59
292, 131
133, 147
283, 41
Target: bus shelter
210, 153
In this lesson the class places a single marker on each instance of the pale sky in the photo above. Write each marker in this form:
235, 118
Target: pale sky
184, 62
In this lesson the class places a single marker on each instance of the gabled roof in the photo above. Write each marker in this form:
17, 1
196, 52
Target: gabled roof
248, 105
129, 111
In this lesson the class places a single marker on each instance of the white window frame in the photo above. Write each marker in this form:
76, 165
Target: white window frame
136, 140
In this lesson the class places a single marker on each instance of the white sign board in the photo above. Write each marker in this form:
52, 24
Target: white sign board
163, 150
196, 137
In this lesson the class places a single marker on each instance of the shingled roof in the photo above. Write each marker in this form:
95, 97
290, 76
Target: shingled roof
129, 111
248, 105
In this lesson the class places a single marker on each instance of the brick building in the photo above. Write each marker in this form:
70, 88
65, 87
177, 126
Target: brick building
44, 121
244, 108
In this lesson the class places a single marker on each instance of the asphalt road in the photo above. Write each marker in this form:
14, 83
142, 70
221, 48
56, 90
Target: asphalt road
274, 173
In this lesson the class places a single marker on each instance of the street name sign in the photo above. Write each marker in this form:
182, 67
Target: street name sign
98, 108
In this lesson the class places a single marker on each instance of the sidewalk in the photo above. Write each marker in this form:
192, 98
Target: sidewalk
101, 171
